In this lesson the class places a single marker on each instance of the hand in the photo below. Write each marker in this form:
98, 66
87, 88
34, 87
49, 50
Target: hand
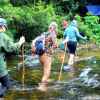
65, 41
22, 40
55, 46
85, 38
33, 50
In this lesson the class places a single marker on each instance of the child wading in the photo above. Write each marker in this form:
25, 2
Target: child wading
6, 45
39, 47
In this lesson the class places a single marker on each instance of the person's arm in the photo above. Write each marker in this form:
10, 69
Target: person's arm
65, 40
10, 46
78, 34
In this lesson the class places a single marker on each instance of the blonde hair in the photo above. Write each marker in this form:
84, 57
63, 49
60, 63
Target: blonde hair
53, 24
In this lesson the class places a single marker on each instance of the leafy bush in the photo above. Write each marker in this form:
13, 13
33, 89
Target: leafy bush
27, 20
90, 26
32, 18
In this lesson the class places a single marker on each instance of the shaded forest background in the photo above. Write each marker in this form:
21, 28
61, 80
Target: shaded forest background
32, 17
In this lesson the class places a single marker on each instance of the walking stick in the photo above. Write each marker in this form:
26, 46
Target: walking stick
23, 67
60, 73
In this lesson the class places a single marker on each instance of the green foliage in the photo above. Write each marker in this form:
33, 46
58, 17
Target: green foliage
64, 7
32, 17
93, 24
91, 27
91, 20
27, 20
2, 2
22, 2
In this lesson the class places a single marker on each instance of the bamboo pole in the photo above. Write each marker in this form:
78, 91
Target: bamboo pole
60, 73
23, 68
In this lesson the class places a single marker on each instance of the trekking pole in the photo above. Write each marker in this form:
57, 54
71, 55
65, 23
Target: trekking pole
60, 73
23, 67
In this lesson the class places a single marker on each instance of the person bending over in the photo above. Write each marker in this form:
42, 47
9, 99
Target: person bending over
40, 48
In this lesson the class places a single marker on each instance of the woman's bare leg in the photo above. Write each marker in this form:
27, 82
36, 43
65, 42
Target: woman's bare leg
46, 67
46, 61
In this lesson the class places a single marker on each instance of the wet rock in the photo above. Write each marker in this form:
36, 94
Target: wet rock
91, 97
84, 73
30, 62
93, 82
66, 68
89, 79
90, 58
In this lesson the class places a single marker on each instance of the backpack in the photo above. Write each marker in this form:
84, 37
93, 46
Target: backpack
39, 47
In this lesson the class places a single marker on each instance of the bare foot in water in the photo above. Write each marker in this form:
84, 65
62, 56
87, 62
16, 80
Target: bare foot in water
43, 87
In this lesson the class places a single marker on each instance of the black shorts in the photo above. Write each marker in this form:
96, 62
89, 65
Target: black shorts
71, 46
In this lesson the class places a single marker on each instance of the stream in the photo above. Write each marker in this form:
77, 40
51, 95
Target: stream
76, 85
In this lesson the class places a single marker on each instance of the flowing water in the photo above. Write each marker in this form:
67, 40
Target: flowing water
65, 89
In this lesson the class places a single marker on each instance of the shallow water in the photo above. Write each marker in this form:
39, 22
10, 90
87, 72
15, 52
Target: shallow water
56, 90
